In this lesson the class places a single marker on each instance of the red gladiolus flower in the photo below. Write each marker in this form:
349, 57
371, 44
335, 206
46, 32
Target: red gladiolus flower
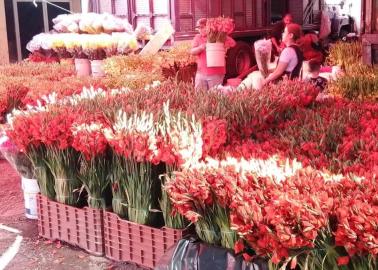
239, 246
343, 260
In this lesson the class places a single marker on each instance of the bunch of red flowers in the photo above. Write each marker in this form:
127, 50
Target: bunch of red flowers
283, 219
131, 145
280, 219
214, 135
37, 57
357, 217
30, 137
218, 28
89, 139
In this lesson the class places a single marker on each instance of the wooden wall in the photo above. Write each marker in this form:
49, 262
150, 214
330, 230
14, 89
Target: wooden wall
4, 54
370, 32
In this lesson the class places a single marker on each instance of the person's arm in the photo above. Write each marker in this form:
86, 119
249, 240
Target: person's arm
247, 72
229, 43
314, 38
197, 47
280, 69
275, 44
276, 35
287, 55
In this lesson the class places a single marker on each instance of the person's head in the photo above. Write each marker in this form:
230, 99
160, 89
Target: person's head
201, 26
314, 67
292, 33
287, 19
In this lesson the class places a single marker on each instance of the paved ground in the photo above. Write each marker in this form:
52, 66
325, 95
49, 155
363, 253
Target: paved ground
36, 253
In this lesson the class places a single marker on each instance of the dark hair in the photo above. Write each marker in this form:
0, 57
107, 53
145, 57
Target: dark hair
294, 29
287, 15
313, 65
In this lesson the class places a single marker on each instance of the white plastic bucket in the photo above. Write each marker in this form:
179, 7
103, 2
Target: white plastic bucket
82, 67
97, 69
31, 189
215, 54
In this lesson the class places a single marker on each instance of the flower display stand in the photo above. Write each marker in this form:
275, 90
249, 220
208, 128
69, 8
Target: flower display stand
136, 243
83, 228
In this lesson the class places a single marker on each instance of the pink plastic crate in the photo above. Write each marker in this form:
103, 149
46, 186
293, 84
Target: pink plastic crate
140, 244
79, 227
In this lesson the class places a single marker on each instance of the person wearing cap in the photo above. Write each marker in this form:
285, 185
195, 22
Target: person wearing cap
291, 58
206, 77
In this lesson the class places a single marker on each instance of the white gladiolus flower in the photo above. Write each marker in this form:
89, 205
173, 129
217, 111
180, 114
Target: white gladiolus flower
108, 133
261, 168
87, 127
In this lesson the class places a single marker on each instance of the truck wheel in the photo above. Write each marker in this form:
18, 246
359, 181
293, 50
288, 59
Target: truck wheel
239, 59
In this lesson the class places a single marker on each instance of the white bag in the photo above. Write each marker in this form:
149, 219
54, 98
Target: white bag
263, 51
253, 81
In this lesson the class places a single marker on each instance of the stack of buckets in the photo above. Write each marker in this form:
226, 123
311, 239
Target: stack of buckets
31, 189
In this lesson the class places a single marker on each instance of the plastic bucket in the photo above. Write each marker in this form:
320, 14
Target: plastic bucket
215, 54
82, 67
97, 69
31, 189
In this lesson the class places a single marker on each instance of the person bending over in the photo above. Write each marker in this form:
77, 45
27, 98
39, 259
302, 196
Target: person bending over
291, 58
276, 34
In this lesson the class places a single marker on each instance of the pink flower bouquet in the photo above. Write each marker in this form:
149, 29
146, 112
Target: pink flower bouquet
217, 29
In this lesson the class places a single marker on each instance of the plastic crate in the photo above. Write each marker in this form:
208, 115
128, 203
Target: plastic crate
79, 227
136, 243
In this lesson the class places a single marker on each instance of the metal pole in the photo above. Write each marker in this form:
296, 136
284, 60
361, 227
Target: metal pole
48, 2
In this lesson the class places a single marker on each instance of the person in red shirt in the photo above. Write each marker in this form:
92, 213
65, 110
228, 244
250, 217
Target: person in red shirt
206, 77
309, 44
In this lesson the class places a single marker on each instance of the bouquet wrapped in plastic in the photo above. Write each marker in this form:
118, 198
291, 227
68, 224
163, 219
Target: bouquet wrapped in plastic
19, 161
263, 52
91, 23
142, 32
126, 43
42, 44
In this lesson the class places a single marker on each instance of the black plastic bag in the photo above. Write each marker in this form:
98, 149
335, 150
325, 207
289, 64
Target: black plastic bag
189, 254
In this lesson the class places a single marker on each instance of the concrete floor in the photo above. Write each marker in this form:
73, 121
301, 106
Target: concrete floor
36, 253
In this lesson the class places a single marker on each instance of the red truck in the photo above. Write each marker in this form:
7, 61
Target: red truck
253, 19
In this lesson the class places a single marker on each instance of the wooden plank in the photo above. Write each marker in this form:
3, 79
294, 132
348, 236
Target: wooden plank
158, 40
367, 55
4, 53
368, 16
368, 42
370, 38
